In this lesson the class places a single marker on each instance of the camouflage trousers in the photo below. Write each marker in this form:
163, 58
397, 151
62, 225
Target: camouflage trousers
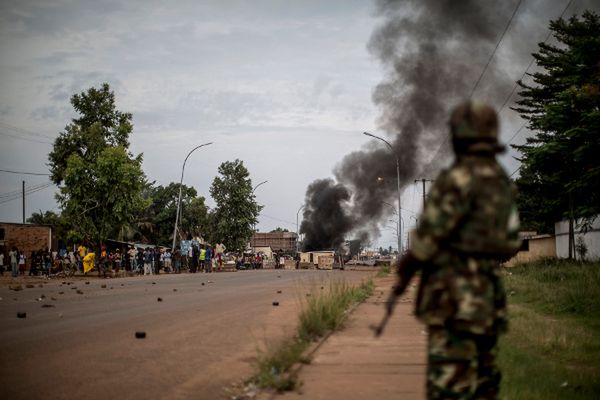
461, 365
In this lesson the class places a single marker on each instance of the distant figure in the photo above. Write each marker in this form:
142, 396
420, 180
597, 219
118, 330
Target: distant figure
22, 262
1, 262
13, 256
208, 259
148, 258
469, 224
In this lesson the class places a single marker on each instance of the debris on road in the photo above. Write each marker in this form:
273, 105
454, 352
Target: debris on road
21, 315
47, 305
87, 283
61, 292
79, 292
16, 288
279, 291
159, 299
174, 290
275, 303
140, 335
103, 286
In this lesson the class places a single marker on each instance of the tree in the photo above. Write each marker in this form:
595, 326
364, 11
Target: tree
100, 181
236, 212
560, 170
155, 223
279, 229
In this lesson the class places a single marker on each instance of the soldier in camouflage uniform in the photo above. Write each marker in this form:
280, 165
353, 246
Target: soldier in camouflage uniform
468, 226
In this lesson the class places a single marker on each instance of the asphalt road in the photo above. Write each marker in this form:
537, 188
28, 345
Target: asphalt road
200, 338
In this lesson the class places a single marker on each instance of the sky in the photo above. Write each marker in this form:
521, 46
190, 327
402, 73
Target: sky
284, 86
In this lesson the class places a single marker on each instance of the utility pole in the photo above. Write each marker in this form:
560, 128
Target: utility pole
423, 180
23, 201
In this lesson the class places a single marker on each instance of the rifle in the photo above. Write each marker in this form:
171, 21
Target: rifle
407, 267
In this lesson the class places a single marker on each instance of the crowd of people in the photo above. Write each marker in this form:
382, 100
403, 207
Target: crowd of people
147, 260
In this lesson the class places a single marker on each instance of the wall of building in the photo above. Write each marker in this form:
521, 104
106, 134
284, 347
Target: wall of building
278, 241
27, 238
538, 247
591, 239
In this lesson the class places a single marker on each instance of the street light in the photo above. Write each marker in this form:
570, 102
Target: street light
179, 200
400, 249
298, 229
254, 227
262, 183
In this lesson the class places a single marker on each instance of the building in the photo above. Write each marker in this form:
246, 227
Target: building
26, 237
533, 248
278, 241
588, 238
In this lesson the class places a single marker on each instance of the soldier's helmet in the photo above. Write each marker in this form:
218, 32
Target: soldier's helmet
474, 129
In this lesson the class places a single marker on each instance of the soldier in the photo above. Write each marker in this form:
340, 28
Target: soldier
469, 224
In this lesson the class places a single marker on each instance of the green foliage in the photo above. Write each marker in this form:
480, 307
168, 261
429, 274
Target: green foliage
155, 223
279, 229
323, 311
384, 271
563, 107
101, 181
50, 218
236, 212
552, 350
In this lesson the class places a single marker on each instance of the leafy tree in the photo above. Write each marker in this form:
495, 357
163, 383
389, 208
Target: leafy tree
560, 163
101, 182
44, 218
279, 229
236, 212
159, 217
50, 218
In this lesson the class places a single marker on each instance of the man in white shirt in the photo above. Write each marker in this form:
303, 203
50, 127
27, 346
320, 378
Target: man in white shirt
13, 255
2, 264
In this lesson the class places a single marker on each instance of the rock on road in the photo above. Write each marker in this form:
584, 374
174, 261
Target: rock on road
200, 338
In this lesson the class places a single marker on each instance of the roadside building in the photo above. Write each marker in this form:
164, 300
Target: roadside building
27, 238
533, 248
278, 241
587, 237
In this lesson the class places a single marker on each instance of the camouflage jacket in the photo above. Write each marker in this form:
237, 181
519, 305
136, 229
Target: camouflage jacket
469, 224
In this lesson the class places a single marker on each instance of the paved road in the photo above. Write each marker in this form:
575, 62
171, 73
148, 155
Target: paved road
200, 338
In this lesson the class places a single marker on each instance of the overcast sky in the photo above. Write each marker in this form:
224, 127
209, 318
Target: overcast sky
284, 86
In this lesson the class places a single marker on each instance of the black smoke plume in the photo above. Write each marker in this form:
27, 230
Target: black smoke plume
432, 52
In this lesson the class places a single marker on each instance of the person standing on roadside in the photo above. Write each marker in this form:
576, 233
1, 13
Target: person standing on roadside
208, 259
468, 226
2, 262
201, 258
13, 255
148, 257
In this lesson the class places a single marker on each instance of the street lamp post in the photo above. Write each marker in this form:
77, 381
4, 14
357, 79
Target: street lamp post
254, 227
179, 199
400, 247
298, 229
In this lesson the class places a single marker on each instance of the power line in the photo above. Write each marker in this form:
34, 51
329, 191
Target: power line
495, 48
27, 192
24, 138
22, 130
531, 62
20, 191
23, 173
278, 219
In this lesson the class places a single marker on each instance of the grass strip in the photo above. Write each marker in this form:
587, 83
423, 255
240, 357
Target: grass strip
552, 350
322, 312
384, 271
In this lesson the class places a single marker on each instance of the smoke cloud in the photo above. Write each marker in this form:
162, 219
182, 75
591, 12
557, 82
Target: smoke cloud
431, 52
